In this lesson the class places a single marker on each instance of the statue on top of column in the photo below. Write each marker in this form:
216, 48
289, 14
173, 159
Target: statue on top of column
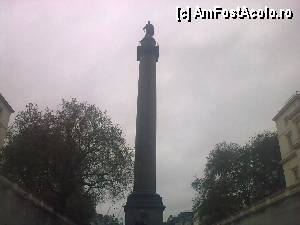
149, 29
148, 40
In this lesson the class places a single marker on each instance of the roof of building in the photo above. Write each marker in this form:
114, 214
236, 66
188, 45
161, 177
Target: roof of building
287, 104
2, 99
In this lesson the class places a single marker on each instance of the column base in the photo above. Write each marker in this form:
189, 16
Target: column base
144, 209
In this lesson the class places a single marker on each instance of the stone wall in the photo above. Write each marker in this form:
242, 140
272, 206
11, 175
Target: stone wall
288, 127
5, 111
280, 209
18, 207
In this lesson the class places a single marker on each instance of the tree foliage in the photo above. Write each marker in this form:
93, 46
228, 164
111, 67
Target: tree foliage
72, 158
100, 219
236, 176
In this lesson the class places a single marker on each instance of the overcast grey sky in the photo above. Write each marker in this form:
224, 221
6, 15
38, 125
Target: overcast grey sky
216, 80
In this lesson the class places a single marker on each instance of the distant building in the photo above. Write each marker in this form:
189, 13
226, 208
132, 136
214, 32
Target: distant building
5, 111
288, 127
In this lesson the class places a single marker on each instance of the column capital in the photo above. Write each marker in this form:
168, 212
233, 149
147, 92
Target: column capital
148, 47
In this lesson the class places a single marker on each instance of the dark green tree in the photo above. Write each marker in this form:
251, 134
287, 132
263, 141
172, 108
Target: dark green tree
236, 176
264, 173
100, 219
72, 158
217, 191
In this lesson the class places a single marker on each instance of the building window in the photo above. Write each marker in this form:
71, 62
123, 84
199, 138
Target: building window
297, 123
289, 139
295, 172
1, 112
286, 120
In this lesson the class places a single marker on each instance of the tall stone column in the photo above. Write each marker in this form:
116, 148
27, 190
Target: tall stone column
144, 205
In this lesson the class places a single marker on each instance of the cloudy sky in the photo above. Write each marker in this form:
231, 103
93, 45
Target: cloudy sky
216, 80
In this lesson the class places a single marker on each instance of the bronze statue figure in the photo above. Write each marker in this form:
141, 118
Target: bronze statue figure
149, 29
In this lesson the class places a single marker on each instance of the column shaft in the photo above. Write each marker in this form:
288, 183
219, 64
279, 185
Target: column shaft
145, 142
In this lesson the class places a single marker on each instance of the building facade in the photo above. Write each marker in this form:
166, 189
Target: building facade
5, 111
288, 126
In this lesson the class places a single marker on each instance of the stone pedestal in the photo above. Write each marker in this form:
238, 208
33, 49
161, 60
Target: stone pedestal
144, 208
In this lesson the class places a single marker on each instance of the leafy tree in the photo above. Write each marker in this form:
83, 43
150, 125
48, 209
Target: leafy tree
100, 219
216, 191
71, 158
262, 166
236, 176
